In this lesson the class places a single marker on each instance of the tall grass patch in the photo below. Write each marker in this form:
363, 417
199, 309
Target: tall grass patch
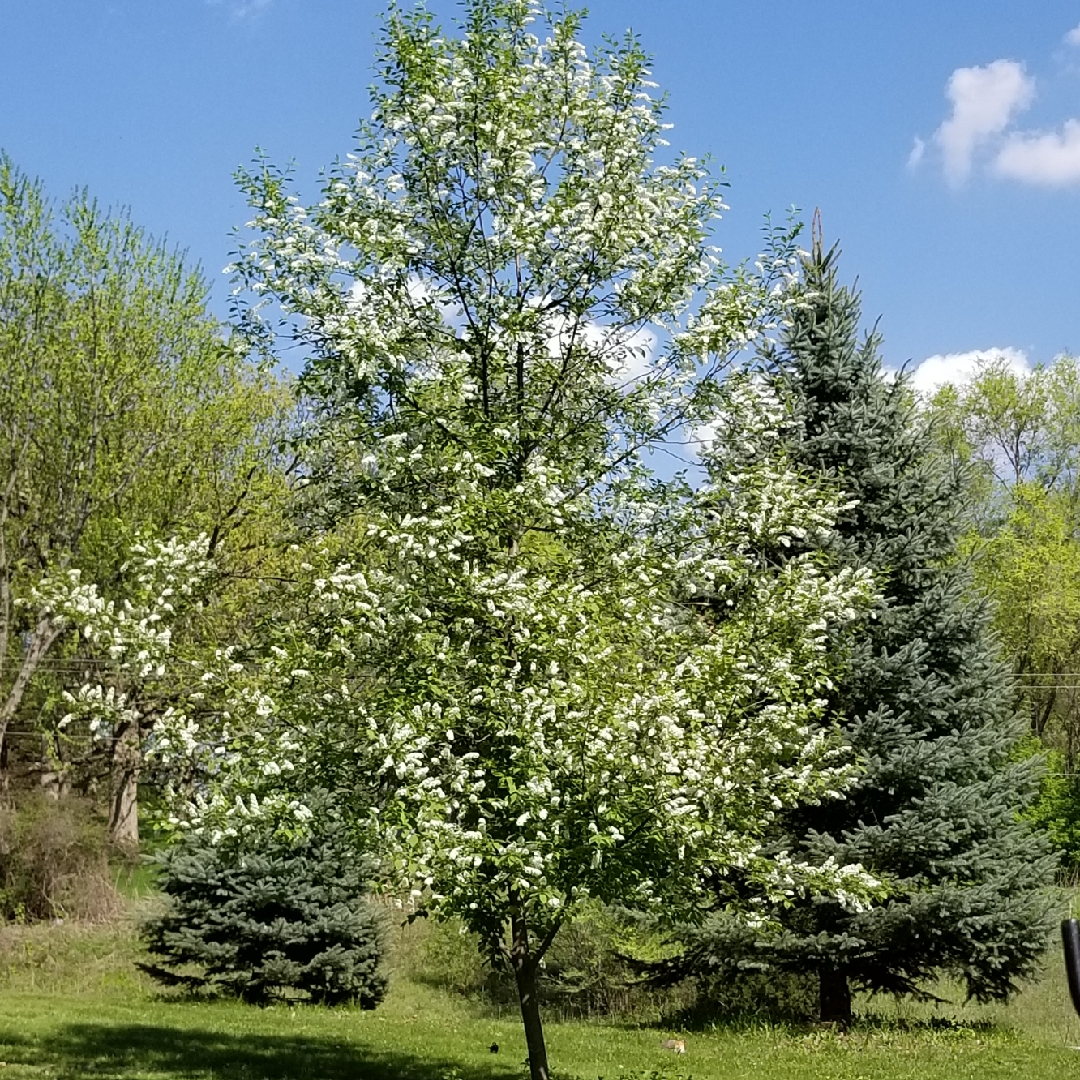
55, 862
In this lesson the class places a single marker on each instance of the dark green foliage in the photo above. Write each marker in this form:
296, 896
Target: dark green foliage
1057, 809
593, 968
924, 702
285, 916
589, 970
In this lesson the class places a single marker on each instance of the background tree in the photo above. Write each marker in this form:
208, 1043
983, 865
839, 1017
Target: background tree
923, 698
514, 650
1021, 434
124, 417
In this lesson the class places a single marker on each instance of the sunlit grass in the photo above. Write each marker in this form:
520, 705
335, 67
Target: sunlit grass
72, 1004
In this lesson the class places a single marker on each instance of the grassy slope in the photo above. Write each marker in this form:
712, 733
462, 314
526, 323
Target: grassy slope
72, 1005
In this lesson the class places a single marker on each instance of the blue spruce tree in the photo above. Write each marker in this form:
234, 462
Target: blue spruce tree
923, 701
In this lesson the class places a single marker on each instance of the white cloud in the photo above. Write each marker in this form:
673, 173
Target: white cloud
631, 357
241, 9
957, 368
985, 103
1050, 159
703, 436
984, 100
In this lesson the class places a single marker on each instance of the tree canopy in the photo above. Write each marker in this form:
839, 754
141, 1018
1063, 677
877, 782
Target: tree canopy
506, 303
126, 419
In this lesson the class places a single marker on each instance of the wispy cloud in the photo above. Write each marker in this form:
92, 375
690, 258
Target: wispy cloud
958, 368
918, 151
1073, 36
239, 10
984, 102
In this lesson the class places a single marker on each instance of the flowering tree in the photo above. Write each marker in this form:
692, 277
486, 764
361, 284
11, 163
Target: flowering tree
123, 413
120, 693
507, 304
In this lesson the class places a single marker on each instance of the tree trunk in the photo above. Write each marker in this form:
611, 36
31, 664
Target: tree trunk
524, 965
530, 1017
41, 641
124, 795
835, 1002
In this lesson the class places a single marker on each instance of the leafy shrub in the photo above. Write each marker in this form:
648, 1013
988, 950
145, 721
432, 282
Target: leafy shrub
586, 972
592, 968
445, 955
289, 916
54, 862
733, 983
1057, 809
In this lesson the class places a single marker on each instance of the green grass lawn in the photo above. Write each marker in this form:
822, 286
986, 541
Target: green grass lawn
73, 1005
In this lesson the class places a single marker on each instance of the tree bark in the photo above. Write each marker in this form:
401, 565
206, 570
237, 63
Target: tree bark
524, 965
124, 782
835, 1001
41, 641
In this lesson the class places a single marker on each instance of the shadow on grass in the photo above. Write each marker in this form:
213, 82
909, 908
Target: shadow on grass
743, 1023
136, 1050
909, 1025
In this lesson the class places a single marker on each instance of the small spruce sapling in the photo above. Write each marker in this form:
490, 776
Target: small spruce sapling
282, 915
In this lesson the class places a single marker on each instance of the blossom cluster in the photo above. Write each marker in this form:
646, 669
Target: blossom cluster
133, 634
607, 719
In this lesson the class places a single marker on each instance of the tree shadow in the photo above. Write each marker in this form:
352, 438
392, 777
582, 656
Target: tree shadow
115, 1050
875, 1022
700, 1018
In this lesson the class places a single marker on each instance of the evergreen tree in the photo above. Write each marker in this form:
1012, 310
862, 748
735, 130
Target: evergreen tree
924, 702
258, 916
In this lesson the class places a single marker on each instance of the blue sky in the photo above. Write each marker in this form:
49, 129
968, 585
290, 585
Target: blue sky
940, 140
